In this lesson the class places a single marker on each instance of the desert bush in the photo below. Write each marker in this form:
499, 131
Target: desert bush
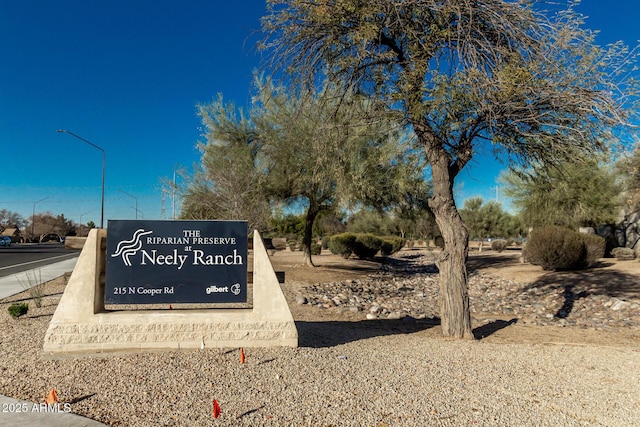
18, 309
325, 242
556, 248
397, 243
595, 246
623, 253
386, 248
367, 245
34, 285
316, 249
342, 244
499, 245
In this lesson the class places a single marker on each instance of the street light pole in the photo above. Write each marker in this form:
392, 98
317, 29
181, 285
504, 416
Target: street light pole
134, 198
33, 217
103, 163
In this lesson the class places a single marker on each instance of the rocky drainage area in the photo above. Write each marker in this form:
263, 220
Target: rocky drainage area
410, 290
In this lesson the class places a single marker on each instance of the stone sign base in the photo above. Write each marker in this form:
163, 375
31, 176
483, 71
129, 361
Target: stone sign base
80, 323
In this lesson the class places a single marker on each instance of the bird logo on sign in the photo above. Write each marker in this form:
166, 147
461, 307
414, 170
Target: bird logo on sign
128, 248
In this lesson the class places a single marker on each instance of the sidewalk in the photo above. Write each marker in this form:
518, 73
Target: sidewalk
14, 284
20, 413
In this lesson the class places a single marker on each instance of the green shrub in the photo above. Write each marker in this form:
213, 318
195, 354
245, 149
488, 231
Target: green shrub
325, 242
18, 309
595, 246
499, 245
397, 243
386, 248
342, 244
367, 245
556, 248
315, 248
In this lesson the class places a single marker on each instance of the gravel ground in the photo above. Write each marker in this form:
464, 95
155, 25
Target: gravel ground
367, 373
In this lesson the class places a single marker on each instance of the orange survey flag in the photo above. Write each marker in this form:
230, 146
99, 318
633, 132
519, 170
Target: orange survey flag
242, 355
52, 397
216, 409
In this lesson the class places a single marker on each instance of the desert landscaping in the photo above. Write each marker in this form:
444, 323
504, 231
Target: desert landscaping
551, 348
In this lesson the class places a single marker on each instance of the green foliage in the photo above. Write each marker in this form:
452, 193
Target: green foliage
364, 245
386, 248
325, 242
367, 246
505, 77
580, 194
370, 221
628, 168
18, 309
285, 225
559, 248
316, 249
229, 182
489, 220
342, 244
328, 223
396, 243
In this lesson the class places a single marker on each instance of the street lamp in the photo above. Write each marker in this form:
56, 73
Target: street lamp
33, 217
122, 191
103, 162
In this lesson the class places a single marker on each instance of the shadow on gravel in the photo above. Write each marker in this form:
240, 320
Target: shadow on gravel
594, 281
491, 328
81, 398
493, 260
333, 333
410, 264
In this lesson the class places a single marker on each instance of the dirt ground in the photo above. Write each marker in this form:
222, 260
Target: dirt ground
507, 265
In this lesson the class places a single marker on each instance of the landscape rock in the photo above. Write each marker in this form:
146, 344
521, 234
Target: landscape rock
409, 286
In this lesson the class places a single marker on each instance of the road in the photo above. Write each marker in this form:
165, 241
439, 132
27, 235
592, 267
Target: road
22, 257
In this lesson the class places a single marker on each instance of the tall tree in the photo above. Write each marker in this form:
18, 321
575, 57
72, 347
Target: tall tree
323, 151
315, 150
228, 183
489, 219
468, 76
573, 195
11, 219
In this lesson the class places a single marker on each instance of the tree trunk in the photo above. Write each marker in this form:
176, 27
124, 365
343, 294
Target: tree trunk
312, 213
454, 295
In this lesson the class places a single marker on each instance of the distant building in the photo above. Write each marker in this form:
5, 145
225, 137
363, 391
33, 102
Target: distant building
14, 233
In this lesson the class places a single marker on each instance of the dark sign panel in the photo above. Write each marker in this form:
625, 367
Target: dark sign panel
158, 262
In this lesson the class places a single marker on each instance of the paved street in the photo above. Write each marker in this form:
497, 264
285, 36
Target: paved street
23, 265
21, 257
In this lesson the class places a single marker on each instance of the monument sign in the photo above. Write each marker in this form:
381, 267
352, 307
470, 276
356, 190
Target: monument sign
162, 262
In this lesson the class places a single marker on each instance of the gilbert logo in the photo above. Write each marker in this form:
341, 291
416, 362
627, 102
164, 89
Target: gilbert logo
128, 248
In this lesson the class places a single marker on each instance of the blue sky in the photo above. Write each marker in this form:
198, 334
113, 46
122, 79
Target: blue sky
127, 75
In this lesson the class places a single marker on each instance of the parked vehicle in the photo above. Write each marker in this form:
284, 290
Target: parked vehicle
5, 241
